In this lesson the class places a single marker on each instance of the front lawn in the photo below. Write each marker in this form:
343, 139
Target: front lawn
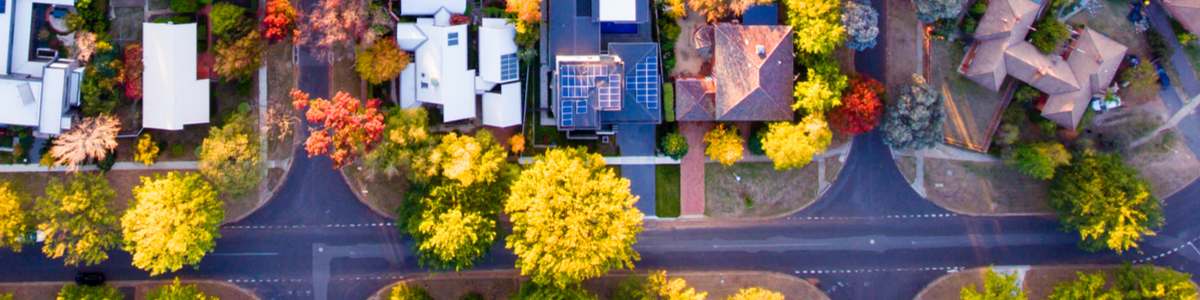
757, 189
666, 191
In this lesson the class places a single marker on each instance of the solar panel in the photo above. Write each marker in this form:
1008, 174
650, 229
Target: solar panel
508, 67
644, 84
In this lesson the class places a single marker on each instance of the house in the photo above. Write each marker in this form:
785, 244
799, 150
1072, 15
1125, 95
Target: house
751, 77
1071, 79
431, 7
499, 70
38, 88
606, 71
173, 96
1187, 12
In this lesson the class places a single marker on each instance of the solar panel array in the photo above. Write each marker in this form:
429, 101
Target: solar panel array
576, 83
644, 84
508, 67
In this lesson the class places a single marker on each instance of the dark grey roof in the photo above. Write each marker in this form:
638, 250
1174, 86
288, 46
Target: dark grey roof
767, 14
569, 33
643, 56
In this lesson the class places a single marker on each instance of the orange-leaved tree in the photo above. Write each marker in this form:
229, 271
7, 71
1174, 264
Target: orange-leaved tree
861, 106
343, 124
280, 20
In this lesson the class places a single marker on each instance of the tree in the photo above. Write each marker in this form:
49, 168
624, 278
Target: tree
534, 291
332, 24
76, 219
178, 291
133, 72
674, 9
1150, 282
860, 107
92, 138
516, 143
1085, 286
793, 145
572, 218
344, 124
1143, 82
862, 25
87, 292
715, 10
381, 61
1038, 160
280, 20
147, 150
173, 221
1106, 201
929, 11
819, 22
85, 46
822, 88
995, 287
406, 144
229, 156
674, 145
404, 291
238, 60
723, 144
1048, 33
103, 75
914, 121
228, 20
454, 238
756, 293
673, 289
15, 224
526, 17
186, 6
468, 160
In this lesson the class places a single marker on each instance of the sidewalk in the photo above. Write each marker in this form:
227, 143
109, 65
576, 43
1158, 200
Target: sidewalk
122, 166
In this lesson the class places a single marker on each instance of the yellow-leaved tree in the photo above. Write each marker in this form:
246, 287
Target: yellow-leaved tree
76, 218
794, 145
173, 222
572, 219
673, 289
724, 145
15, 223
756, 293
468, 159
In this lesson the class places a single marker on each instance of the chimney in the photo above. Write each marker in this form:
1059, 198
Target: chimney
761, 50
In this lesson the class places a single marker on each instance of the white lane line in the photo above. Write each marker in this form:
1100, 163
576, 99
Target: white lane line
246, 254
1194, 247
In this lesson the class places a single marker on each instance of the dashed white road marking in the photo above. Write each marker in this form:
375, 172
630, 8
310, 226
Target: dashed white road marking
303, 226
877, 270
890, 217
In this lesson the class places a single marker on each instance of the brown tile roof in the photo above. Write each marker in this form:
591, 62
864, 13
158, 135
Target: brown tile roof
750, 86
1094, 63
692, 101
1048, 73
987, 63
1187, 12
1007, 19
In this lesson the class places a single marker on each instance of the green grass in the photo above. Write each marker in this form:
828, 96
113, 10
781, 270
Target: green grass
666, 191
668, 94
1193, 54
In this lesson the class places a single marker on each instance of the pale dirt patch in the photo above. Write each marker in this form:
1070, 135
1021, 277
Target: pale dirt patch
382, 194
902, 42
1166, 163
983, 188
688, 61
761, 192
908, 167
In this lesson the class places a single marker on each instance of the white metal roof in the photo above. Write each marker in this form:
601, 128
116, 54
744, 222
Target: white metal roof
618, 10
409, 37
54, 98
22, 34
442, 76
21, 102
496, 39
408, 86
429, 7
503, 109
172, 96
5, 34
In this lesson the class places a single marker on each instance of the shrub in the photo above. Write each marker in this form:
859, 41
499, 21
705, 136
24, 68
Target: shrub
228, 20
132, 73
187, 6
1038, 160
674, 145
1025, 94
403, 291
1048, 34
979, 8
1159, 48
147, 150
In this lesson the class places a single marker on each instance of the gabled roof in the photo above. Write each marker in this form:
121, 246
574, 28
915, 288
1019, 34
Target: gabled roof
409, 37
571, 28
640, 101
430, 7
173, 97
441, 75
1007, 18
986, 66
1048, 73
503, 109
497, 50
1094, 63
1187, 12
753, 70
693, 100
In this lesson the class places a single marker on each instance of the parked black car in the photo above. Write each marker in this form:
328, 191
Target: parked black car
89, 278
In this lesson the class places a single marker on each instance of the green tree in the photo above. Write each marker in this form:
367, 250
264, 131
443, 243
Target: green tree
821, 90
572, 218
404, 291
229, 20
15, 224
173, 222
929, 11
1085, 286
756, 293
723, 144
819, 22
85, 292
533, 291
1150, 282
178, 291
995, 287
468, 160
914, 120
1048, 34
793, 145
229, 156
1143, 82
453, 225
674, 145
1038, 160
76, 219
1107, 202
406, 144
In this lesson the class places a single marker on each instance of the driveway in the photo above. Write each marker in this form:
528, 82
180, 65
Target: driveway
638, 140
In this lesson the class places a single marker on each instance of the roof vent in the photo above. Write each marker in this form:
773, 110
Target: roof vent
761, 50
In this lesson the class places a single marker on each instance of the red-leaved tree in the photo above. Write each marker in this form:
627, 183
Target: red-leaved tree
342, 124
861, 106
280, 20
133, 72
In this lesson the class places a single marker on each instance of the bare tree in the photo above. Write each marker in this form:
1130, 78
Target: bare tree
92, 138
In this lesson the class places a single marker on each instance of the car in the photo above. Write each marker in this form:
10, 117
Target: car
1163, 79
89, 278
